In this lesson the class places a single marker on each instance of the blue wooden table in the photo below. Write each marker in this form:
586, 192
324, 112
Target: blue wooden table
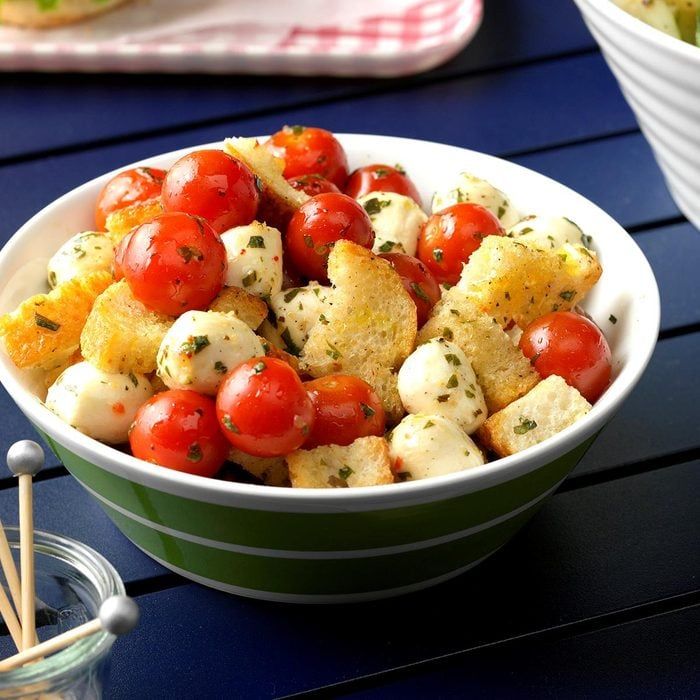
600, 594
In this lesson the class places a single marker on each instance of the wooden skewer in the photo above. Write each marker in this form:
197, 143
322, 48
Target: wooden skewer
25, 458
10, 570
118, 615
10, 618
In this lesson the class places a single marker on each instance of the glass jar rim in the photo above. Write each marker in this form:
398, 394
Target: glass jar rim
87, 651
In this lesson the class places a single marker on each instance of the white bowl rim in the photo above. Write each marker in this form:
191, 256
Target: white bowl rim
645, 32
263, 497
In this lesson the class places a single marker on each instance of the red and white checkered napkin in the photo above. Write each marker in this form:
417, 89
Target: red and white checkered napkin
373, 38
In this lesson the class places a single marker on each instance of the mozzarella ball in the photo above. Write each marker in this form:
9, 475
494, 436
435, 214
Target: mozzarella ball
424, 445
547, 232
85, 252
469, 188
297, 311
96, 403
396, 220
437, 378
254, 257
201, 347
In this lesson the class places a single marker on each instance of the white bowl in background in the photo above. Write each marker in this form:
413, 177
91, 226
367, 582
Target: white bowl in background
660, 77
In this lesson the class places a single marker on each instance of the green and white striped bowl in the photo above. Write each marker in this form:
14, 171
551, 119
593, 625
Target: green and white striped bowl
319, 546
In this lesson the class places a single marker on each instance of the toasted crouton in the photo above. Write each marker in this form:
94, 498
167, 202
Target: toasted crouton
371, 324
250, 309
44, 330
272, 471
121, 221
546, 410
278, 199
366, 462
509, 280
504, 373
121, 334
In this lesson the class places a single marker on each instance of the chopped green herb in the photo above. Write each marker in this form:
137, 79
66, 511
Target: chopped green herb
44, 322
525, 230
428, 424
447, 334
322, 318
400, 169
194, 453
524, 426
133, 379
404, 476
452, 382
501, 212
52, 279
229, 424
189, 252
79, 252
443, 397
386, 247
612, 319
380, 172
345, 472
374, 206
367, 410
438, 254
256, 242
291, 294
469, 394
418, 290
453, 359
195, 344
220, 367
308, 241
332, 352
454, 312
250, 278
259, 186
296, 129
259, 367
567, 294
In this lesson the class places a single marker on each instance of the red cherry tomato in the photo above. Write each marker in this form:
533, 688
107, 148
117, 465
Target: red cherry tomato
174, 263
215, 186
568, 344
178, 429
318, 224
418, 281
128, 187
346, 408
381, 178
312, 184
307, 150
263, 408
449, 237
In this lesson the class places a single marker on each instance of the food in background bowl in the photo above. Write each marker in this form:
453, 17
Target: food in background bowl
677, 18
42, 14
321, 544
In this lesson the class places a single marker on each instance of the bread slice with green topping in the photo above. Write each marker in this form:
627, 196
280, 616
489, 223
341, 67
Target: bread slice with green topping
509, 280
545, 411
366, 462
371, 324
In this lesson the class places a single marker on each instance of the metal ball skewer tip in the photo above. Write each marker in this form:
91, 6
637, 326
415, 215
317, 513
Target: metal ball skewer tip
119, 614
25, 457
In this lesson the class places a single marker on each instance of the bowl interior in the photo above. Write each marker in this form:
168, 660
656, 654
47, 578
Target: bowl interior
626, 291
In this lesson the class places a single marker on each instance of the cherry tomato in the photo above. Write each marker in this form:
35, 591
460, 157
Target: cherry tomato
346, 408
215, 186
128, 187
318, 224
568, 344
174, 263
307, 150
450, 236
312, 184
417, 280
263, 408
381, 178
178, 429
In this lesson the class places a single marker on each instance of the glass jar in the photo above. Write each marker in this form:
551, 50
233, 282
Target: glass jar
72, 581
